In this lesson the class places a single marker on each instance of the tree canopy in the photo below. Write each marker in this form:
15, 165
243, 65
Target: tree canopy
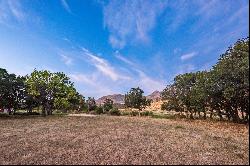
224, 90
135, 99
51, 90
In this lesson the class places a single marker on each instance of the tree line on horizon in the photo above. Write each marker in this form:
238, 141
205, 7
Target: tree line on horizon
220, 92
54, 91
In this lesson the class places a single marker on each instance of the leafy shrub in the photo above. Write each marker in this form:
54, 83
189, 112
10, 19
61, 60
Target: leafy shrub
115, 111
147, 113
134, 113
99, 110
85, 110
108, 105
125, 113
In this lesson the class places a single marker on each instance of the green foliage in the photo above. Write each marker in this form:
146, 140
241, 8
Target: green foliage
108, 105
12, 90
115, 111
147, 113
99, 110
135, 99
134, 113
224, 89
52, 90
91, 104
125, 113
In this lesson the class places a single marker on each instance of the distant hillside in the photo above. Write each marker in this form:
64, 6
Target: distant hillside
155, 96
119, 98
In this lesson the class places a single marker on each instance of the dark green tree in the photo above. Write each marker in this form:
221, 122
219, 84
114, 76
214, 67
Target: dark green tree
135, 99
12, 91
107, 105
224, 90
91, 104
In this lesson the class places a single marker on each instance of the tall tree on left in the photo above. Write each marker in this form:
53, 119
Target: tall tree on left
50, 89
12, 91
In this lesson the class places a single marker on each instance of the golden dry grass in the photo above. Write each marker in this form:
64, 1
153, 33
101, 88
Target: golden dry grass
121, 140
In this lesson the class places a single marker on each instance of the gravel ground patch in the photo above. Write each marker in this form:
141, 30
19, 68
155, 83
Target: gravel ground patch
121, 140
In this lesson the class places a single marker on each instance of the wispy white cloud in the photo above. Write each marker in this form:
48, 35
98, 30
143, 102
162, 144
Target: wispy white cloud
15, 14
206, 8
16, 9
140, 78
202, 13
65, 6
122, 58
83, 79
149, 84
93, 86
103, 66
66, 59
180, 14
131, 20
188, 56
10, 10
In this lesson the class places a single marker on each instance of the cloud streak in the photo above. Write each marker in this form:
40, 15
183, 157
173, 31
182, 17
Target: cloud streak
65, 6
66, 60
141, 79
103, 66
96, 88
188, 56
11, 10
131, 20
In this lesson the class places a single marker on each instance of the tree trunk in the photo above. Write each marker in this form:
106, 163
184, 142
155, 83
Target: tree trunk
242, 115
139, 112
43, 111
199, 113
220, 115
211, 114
9, 111
191, 115
205, 115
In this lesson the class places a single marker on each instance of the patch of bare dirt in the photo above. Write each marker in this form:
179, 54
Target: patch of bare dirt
86, 115
121, 140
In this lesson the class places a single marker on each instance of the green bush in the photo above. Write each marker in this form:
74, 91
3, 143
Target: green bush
125, 113
85, 110
134, 113
99, 110
147, 113
115, 111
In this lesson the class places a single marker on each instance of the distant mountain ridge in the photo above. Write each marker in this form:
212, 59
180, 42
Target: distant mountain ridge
119, 98
155, 96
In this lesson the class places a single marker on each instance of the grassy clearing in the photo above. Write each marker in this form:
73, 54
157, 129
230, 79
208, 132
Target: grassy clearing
121, 140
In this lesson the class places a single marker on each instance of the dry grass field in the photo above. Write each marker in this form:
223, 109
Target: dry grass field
121, 140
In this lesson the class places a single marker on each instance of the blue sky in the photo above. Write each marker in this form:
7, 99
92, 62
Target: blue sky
107, 47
